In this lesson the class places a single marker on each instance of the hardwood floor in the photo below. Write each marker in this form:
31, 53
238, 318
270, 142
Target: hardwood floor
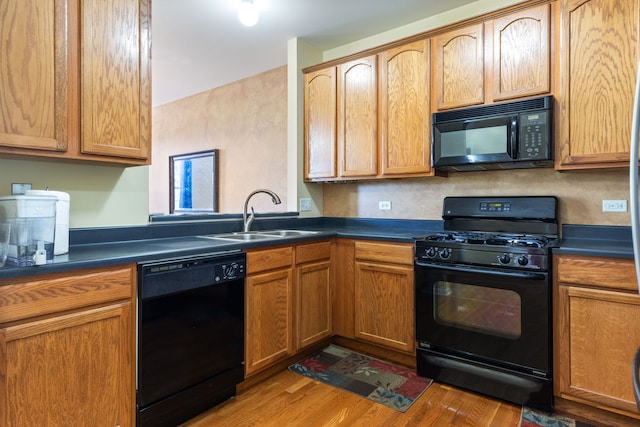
289, 399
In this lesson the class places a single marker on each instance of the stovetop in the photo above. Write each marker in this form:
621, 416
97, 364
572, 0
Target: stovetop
509, 232
488, 238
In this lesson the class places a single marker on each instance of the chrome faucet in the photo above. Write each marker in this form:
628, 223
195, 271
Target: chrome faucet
248, 219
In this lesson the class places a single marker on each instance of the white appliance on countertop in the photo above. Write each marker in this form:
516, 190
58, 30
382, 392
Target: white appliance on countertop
61, 237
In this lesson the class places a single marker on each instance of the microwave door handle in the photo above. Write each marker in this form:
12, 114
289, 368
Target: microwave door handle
513, 138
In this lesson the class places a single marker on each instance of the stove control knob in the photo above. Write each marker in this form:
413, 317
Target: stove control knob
523, 260
431, 252
445, 253
504, 259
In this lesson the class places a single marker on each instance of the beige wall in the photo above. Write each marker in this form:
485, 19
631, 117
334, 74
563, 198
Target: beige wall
100, 195
580, 194
245, 120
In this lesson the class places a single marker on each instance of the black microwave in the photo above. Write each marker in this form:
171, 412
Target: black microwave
510, 135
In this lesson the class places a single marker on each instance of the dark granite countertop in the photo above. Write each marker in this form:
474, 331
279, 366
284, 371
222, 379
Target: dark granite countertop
594, 240
102, 247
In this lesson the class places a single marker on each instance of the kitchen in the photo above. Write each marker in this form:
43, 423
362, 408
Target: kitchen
110, 188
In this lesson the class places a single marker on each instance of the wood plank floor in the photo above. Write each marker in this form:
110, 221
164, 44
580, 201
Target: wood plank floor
289, 399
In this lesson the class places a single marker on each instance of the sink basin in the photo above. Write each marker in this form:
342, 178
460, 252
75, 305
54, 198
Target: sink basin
243, 237
286, 233
248, 236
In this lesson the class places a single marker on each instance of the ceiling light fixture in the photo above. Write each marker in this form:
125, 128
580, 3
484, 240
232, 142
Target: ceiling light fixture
248, 13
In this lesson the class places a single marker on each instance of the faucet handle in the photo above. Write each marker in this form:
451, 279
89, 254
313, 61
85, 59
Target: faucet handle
249, 220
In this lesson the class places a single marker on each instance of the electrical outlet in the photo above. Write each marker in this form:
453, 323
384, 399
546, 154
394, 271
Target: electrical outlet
614, 206
305, 204
384, 205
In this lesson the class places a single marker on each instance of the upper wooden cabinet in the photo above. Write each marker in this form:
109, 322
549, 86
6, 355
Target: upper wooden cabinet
369, 117
115, 78
405, 116
35, 96
458, 68
358, 118
521, 53
598, 63
504, 58
320, 124
76, 79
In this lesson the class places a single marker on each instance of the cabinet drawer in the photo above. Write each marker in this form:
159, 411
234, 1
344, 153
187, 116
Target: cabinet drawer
313, 252
269, 259
398, 253
44, 295
614, 273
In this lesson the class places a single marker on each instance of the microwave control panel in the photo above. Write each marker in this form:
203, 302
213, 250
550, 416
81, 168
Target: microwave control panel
534, 136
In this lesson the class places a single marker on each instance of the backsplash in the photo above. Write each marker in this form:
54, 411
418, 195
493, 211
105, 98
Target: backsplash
580, 194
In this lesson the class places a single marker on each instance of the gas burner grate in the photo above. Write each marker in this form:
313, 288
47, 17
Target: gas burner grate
495, 239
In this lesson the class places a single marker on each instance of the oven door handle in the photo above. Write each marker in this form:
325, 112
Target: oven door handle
514, 274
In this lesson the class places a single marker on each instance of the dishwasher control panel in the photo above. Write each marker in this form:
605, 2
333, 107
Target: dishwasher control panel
164, 277
230, 270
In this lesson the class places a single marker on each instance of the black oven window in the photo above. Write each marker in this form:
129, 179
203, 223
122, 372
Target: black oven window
478, 308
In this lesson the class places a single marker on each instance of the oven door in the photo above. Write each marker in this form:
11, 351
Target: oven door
492, 315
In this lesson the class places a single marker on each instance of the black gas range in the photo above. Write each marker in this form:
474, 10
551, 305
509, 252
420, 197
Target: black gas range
483, 297
506, 232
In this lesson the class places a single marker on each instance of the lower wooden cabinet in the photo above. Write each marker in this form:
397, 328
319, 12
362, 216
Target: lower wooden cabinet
288, 302
596, 331
67, 349
384, 289
299, 295
268, 307
313, 293
343, 263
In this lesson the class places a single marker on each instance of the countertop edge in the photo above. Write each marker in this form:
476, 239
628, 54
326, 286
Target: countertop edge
90, 254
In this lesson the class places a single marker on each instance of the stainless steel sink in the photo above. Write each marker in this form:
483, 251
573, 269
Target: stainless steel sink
287, 233
247, 236
243, 237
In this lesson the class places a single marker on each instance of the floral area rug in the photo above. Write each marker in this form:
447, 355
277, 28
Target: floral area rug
394, 386
534, 418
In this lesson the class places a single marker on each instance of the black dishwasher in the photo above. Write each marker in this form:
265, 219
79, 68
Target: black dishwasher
190, 336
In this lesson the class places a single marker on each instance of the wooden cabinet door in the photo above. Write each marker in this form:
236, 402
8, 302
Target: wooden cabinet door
35, 97
268, 318
73, 369
357, 118
314, 303
405, 113
343, 285
597, 333
313, 293
384, 312
320, 124
115, 78
521, 54
458, 68
598, 63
